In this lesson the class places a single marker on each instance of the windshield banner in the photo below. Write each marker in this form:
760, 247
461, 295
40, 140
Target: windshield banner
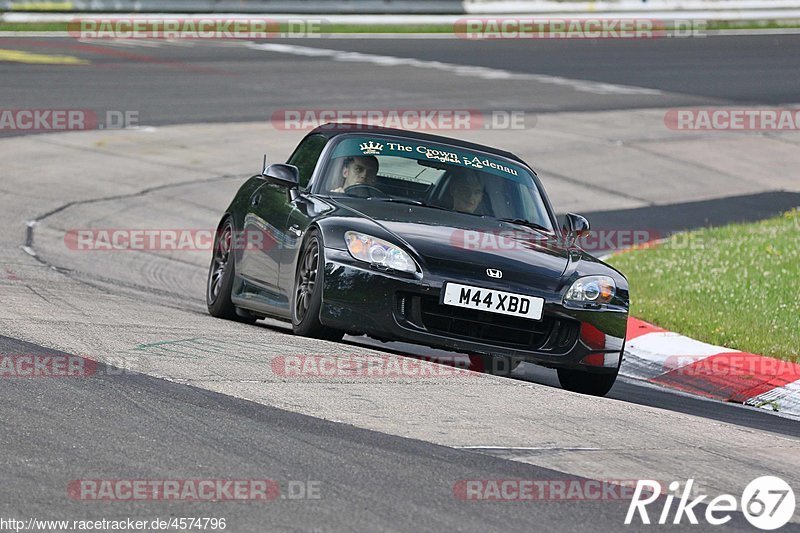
409, 149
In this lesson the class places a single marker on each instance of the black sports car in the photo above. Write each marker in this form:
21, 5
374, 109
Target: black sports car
407, 236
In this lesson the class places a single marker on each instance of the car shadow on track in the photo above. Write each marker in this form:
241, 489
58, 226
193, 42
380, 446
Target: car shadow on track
626, 390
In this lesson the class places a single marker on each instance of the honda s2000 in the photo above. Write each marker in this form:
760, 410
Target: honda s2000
424, 239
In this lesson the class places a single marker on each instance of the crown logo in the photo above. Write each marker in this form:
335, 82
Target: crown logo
474, 163
371, 148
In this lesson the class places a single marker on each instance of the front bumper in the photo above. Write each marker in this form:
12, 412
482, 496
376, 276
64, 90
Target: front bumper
363, 300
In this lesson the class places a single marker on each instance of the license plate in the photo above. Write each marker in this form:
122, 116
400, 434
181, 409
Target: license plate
504, 303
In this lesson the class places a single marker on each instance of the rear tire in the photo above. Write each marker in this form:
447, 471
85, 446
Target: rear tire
220, 278
307, 293
584, 382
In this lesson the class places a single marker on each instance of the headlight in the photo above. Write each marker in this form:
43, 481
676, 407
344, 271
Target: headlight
378, 252
592, 289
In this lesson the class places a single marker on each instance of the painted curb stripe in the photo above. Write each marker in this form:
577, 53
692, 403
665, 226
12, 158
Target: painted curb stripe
675, 361
784, 399
20, 56
637, 328
731, 377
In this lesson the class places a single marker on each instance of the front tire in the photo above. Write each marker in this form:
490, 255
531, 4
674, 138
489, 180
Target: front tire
584, 382
220, 278
307, 293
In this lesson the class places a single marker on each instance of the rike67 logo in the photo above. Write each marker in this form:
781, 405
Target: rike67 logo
767, 502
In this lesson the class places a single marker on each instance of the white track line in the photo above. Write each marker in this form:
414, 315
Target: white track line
125, 43
416, 36
459, 70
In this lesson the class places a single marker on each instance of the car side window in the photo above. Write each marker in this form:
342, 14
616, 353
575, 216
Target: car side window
306, 155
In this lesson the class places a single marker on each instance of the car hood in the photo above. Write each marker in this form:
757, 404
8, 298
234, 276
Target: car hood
457, 244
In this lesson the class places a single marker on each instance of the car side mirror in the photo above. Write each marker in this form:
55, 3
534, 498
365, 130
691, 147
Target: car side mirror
575, 226
282, 174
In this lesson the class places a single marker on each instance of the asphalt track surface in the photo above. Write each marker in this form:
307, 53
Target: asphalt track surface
68, 430
59, 430
173, 83
753, 69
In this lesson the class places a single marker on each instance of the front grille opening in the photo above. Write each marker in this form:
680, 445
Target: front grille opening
426, 312
565, 337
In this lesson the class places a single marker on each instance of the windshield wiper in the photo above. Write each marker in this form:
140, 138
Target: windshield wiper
408, 201
527, 224
396, 200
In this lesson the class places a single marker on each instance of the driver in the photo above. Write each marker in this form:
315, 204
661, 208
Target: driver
358, 170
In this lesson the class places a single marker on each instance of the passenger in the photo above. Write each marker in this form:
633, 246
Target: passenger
467, 195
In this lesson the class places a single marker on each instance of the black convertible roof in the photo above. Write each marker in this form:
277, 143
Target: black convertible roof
334, 129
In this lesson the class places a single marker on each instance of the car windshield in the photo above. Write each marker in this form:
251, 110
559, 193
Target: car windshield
422, 173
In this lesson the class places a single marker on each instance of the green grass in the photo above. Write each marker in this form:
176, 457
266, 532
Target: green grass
407, 28
736, 286
33, 26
